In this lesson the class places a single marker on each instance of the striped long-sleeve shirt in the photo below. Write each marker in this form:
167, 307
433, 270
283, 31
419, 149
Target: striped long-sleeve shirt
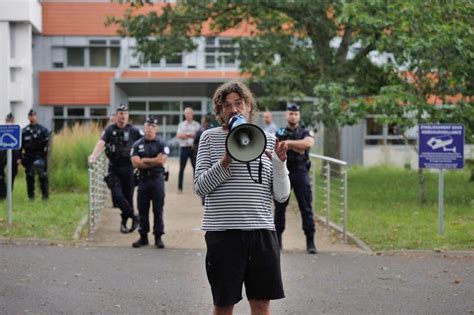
232, 199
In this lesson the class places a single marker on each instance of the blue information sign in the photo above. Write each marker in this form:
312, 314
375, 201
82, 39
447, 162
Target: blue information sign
441, 146
10, 137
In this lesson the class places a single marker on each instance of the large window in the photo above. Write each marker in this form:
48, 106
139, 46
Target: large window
98, 54
68, 116
220, 53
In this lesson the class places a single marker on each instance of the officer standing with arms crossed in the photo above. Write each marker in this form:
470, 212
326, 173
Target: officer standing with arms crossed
118, 139
34, 152
149, 154
299, 141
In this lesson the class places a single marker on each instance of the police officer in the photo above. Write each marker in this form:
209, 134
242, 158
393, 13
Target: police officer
10, 119
149, 154
118, 139
34, 153
299, 140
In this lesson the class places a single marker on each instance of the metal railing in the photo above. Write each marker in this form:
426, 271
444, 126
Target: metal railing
332, 184
97, 191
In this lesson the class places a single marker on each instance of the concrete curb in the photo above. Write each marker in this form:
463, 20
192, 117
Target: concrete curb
349, 235
80, 227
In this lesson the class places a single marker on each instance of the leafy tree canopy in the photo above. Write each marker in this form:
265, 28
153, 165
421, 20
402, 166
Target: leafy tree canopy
321, 49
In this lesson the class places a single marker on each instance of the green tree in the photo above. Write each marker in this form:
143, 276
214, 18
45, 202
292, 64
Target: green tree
296, 49
433, 46
321, 48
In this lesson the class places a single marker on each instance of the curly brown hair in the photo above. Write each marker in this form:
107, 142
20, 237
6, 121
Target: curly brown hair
225, 89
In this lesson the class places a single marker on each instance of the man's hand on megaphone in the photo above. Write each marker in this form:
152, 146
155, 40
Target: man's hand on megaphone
280, 150
226, 159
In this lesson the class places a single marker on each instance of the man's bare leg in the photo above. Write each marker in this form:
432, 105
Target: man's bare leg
259, 307
223, 310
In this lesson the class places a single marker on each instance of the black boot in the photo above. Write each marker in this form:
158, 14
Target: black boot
135, 222
142, 241
310, 247
279, 241
158, 242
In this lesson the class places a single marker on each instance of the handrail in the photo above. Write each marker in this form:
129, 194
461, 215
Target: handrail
329, 159
97, 191
329, 183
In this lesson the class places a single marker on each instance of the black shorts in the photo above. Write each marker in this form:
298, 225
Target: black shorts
236, 257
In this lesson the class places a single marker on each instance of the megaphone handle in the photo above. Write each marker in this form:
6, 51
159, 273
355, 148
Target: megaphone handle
259, 171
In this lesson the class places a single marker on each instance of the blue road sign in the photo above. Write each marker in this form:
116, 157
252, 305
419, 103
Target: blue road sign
10, 137
441, 146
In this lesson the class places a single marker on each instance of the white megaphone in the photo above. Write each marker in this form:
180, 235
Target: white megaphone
245, 142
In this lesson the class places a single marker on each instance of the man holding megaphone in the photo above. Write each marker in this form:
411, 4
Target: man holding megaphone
239, 170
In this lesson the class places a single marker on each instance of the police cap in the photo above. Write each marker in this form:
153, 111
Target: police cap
32, 112
152, 120
293, 107
122, 108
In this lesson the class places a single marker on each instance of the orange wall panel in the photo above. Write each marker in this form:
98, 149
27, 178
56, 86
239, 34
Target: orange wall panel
74, 88
88, 19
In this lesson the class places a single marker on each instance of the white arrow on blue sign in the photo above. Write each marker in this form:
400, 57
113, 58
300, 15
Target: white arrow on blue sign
10, 137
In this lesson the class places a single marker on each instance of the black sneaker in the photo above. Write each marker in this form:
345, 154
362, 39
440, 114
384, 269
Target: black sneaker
123, 227
158, 242
142, 241
135, 222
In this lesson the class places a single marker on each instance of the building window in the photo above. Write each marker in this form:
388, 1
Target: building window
75, 111
174, 61
383, 134
98, 112
75, 57
220, 53
98, 56
68, 116
114, 57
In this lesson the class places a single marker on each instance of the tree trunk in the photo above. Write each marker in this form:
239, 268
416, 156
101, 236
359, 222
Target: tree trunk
421, 187
332, 145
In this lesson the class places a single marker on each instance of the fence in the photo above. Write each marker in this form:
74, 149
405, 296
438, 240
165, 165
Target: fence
97, 190
330, 190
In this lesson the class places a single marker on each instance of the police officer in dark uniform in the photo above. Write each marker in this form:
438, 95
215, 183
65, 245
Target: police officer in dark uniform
34, 155
149, 154
10, 119
299, 140
118, 139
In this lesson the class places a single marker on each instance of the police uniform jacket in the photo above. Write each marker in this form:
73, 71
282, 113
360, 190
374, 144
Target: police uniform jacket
34, 139
295, 160
119, 142
149, 149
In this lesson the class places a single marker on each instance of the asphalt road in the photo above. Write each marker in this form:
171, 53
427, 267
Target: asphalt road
38, 279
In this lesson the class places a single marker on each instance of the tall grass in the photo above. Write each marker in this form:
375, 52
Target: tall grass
69, 151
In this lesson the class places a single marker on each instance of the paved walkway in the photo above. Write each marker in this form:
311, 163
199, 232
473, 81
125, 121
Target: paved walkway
183, 214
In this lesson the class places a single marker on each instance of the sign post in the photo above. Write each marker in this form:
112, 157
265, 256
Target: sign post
441, 146
10, 139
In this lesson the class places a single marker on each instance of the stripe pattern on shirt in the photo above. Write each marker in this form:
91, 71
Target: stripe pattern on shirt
232, 199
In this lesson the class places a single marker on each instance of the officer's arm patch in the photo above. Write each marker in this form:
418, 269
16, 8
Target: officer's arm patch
166, 150
311, 133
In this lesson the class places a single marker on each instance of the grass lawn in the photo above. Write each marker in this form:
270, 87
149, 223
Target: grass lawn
383, 209
54, 219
